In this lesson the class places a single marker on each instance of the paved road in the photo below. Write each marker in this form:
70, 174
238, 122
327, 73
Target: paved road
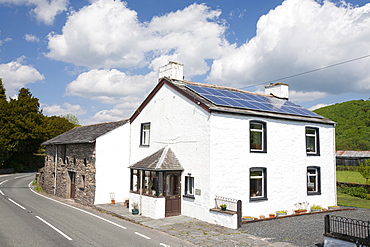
30, 219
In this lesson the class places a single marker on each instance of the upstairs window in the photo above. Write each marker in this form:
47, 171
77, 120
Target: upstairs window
258, 182
312, 141
189, 186
313, 180
257, 136
145, 134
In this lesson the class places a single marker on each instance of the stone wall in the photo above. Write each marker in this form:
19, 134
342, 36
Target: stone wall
72, 158
345, 184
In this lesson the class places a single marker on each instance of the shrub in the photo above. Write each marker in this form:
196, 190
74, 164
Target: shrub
355, 191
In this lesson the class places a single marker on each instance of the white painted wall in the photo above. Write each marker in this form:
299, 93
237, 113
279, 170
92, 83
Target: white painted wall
286, 162
112, 162
214, 148
183, 126
149, 206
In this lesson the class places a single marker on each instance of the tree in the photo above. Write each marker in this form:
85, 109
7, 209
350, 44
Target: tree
72, 119
2, 92
364, 169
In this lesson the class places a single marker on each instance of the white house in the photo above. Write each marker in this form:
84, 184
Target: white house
193, 145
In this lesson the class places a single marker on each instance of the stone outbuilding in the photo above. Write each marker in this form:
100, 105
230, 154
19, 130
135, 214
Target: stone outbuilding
88, 163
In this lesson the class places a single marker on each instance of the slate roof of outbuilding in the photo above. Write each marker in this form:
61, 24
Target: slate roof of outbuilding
353, 154
162, 160
85, 134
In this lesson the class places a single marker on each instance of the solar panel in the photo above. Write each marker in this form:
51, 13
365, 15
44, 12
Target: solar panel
250, 101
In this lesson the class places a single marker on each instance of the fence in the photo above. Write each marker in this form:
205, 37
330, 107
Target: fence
351, 230
232, 205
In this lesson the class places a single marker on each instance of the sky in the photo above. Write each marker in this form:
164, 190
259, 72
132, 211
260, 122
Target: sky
99, 59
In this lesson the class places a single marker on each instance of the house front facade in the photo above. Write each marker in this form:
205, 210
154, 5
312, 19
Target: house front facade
193, 143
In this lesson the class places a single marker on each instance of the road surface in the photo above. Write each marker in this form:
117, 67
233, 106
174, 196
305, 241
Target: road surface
28, 218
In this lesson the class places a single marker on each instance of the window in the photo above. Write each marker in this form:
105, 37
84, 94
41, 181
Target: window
148, 179
145, 134
258, 188
257, 136
313, 180
312, 141
189, 186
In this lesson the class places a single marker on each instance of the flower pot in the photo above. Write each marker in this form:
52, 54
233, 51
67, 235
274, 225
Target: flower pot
315, 210
301, 211
280, 214
272, 215
333, 207
262, 217
248, 218
135, 211
113, 201
223, 209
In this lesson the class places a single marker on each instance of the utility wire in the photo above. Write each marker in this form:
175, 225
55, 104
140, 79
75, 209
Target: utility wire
310, 71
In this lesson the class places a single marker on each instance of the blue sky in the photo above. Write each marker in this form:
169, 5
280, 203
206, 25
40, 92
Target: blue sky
98, 59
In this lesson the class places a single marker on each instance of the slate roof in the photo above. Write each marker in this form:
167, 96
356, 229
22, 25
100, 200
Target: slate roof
180, 86
352, 154
162, 160
85, 134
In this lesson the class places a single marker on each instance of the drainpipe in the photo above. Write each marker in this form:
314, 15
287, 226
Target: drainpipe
141, 192
55, 168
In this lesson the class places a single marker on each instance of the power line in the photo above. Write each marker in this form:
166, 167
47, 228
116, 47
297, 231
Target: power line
310, 71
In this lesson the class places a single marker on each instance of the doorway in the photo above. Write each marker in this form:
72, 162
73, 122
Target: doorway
172, 193
72, 187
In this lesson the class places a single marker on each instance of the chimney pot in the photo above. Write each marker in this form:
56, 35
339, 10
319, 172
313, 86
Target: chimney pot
279, 90
172, 70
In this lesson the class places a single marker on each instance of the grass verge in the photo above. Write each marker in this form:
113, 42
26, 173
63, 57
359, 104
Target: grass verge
350, 177
351, 201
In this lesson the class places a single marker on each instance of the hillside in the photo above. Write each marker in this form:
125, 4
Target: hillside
353, 123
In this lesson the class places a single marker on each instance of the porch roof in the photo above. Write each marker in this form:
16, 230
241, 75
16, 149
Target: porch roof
162, 160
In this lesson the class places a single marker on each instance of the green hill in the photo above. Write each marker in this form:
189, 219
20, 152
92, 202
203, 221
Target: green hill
353, 124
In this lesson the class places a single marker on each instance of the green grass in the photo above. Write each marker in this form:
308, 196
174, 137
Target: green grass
350, 177
351, 201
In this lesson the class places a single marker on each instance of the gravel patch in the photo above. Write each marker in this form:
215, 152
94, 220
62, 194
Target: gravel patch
303, 230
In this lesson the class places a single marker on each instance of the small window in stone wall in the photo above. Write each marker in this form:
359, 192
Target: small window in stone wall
82, 185
74, 161
85, 161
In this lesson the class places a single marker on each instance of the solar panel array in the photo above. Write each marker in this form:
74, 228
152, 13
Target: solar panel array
250, 101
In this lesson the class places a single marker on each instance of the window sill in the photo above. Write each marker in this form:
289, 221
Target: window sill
313, 193
313, 154
189, 196
258, 151
258, 199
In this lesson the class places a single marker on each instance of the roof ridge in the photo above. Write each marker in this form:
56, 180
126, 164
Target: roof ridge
103, 123
225, 88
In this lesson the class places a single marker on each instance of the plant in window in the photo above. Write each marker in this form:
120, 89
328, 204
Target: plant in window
223, 207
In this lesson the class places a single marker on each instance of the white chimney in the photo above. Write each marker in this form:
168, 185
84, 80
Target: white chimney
279, 90
172, 70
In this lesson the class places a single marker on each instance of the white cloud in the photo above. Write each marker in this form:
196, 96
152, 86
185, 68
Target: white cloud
15, 75
111, 86
318, 106
305, 96
31, 38
106, 34
298, 36
66, 108
44, 10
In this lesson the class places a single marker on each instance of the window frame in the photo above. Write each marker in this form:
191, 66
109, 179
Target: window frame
316, 137
189, 187
317, 176
263, 132
263, 184
145, 134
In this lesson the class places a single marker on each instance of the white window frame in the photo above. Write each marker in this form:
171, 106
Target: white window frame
315, 137
263, 177
145, 134
316, 184
263, 137
189, 186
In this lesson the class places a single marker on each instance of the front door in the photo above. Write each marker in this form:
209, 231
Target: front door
173, 193
72, 178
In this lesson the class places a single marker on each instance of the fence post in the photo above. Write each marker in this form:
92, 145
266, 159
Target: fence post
239, 213
327, 224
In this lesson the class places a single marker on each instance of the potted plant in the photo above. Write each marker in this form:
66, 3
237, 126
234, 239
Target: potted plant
281, 213
316, 208
333, 207
223, 207
272, 215
301, 207
248, 218
135, 208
